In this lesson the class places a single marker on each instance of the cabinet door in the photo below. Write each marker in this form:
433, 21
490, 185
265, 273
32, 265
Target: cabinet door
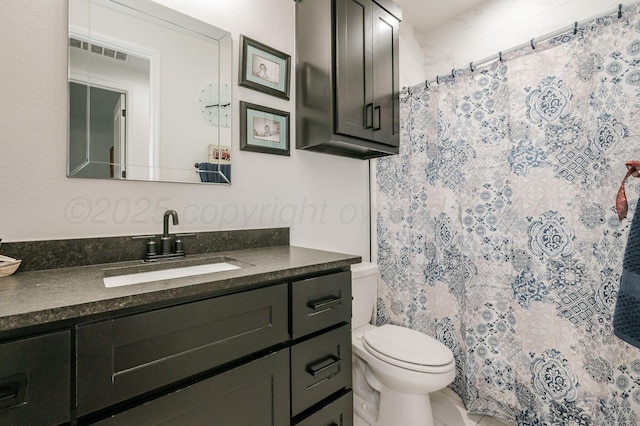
34, 380
386, 114
320, 302
335, 413
256, 393
124, 357
354, 68
320, 367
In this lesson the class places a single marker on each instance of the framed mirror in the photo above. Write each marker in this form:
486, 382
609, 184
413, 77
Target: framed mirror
149, 94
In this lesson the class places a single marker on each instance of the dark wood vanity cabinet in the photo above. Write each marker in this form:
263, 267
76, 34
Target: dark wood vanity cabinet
348, 77
274, 355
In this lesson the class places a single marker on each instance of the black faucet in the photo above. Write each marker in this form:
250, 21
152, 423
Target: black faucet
165, 240
171, 246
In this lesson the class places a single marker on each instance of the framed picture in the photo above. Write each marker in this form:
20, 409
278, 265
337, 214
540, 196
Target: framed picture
264, 69
264, 129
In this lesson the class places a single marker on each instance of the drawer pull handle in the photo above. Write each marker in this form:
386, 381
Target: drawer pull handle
325, 304
323, 365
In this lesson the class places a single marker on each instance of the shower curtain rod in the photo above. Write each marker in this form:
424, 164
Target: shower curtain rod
532, 43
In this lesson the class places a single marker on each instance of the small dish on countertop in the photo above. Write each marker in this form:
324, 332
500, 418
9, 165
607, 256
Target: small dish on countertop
8, 265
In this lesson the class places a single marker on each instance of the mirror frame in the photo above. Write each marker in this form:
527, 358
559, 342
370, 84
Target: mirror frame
155, 12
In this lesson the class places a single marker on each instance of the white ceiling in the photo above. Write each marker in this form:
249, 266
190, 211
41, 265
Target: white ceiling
426, 14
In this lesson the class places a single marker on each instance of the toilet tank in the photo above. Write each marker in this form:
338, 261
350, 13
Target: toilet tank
364, 289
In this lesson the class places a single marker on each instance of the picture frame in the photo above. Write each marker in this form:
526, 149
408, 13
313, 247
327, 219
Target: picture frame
264, 129
264, 69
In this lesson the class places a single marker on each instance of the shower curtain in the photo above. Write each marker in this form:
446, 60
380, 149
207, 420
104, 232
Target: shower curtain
497, 232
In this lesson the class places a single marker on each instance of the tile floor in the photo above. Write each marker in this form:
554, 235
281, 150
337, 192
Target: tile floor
448, 410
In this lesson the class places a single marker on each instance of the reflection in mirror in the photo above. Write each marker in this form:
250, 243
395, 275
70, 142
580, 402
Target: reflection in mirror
149, 94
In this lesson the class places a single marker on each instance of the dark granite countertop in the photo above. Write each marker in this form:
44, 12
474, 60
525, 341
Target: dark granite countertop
50, 295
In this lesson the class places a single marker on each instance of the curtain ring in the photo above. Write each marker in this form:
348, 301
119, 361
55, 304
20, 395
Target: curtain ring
426, 83
437, 79
471, 67
500, 57
453, 72
620, 11
575, 28
533, 43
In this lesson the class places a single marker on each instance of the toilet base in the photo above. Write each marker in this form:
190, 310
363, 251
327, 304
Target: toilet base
358, 421
364, 412
366, 399
395, 408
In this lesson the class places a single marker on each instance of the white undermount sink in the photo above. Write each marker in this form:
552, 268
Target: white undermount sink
139, 274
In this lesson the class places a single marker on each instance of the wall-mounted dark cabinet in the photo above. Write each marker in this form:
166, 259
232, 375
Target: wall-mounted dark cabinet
347, 77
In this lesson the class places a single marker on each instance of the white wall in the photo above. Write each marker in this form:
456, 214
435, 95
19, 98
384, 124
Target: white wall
323, 198
411, 56
496, 25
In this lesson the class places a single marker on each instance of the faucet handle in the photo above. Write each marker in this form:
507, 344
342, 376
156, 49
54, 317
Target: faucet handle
151, 247
180, 243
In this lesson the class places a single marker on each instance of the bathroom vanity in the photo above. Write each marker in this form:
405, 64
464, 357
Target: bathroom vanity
268, 343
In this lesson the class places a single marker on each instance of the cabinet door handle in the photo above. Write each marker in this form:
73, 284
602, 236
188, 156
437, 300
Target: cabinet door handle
377, 107
13, 391
368, 116
323, 365
325, 303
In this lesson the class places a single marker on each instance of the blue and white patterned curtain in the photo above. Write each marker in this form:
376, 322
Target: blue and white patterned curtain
497, 232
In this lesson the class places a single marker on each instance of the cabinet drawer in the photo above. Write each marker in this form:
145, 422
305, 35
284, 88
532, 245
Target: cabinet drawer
320, 367
34, 380
120, 358
320, 302
336, 413
256, 393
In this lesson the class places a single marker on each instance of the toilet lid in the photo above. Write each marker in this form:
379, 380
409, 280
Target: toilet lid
408, 346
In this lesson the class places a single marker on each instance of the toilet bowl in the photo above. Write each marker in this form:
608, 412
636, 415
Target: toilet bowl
394, 368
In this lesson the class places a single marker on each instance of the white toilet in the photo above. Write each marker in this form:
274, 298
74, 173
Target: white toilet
394, 368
